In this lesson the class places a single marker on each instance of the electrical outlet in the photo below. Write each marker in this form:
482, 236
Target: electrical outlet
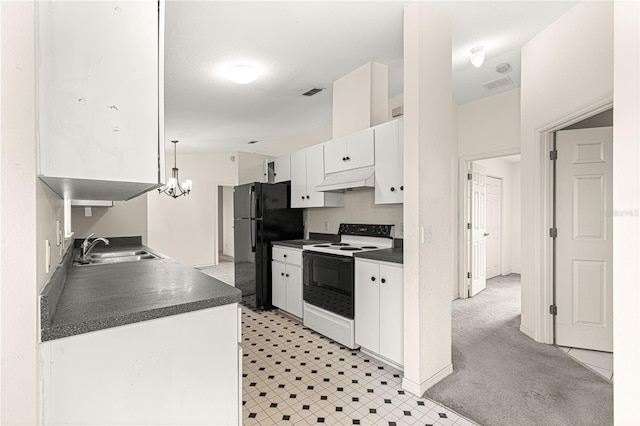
426, 234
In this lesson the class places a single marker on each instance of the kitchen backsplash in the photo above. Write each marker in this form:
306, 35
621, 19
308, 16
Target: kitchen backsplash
358, 207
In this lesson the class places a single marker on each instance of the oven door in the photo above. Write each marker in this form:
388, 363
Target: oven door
328, 282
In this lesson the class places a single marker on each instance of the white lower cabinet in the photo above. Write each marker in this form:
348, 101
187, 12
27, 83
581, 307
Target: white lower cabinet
379, 309
179, 369
286, 279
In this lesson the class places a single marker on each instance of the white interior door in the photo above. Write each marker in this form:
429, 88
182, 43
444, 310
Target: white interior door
584, 247
478, 229
493, 232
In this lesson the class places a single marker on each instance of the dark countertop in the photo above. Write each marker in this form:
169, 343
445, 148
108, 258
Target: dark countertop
393, 255
103, 296
297, 243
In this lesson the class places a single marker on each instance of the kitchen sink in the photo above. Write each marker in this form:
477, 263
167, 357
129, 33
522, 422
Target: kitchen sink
111, 257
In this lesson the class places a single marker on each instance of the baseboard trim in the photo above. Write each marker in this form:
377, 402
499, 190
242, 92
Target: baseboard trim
524, 330
418, 389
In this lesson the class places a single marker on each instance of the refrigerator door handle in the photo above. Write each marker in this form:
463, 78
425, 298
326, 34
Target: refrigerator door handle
252, 199
252, 235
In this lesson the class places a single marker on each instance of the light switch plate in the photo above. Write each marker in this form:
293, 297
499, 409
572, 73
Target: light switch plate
426, 234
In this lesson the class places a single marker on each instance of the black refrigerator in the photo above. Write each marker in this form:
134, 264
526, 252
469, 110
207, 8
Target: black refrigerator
262, 213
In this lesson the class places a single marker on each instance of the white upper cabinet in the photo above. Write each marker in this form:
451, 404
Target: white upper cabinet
349, 152
307, 172
100, 97
389, 186
282, 169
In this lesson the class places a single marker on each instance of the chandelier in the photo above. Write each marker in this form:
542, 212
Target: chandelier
174, 188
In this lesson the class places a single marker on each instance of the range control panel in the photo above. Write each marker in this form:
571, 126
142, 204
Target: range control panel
383, 231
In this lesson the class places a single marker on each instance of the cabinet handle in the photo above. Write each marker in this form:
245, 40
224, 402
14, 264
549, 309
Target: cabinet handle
392, 189
344, 158
284, 255
383, 281
348, 158
302, 197
307, 197
402, 188
287, 275
275, 174
282, 273
373, 278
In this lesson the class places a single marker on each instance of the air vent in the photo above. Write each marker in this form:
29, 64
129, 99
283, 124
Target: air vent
397, 112
499, 82
312, 92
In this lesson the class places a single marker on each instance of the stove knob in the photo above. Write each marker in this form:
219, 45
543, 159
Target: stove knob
380, 229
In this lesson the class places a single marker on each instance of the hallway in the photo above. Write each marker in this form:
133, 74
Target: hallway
503, 377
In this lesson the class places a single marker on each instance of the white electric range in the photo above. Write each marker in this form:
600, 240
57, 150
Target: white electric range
328, 275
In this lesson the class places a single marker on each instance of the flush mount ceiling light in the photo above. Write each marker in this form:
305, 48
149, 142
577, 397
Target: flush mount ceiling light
242, 74
477, 56
174, 188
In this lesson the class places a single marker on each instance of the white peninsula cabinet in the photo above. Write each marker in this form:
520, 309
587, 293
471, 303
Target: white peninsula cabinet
389, 186
286, 278
379, 309
178, 369
349, 152
100, 95
307, 172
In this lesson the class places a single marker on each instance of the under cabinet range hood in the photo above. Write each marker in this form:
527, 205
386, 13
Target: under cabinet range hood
348, 180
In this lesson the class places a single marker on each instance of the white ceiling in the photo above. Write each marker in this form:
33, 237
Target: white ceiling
298, 45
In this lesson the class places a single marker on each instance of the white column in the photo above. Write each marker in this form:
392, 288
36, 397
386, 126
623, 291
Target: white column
429, 144
626, 203
18, 297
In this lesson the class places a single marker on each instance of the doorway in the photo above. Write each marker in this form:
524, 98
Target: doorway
490, 221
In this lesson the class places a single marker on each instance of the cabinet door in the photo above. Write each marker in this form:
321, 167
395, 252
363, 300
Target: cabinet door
98, 91
367, 306
360, 149
278, 285
391, 313
294, 290
388, 153
315, 175
298, 179
335, 155
282, 169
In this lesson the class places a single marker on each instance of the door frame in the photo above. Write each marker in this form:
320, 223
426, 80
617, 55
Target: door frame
543, 272
464, 164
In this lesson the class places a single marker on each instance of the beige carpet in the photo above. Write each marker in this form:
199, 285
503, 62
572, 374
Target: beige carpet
223, 271
502, 377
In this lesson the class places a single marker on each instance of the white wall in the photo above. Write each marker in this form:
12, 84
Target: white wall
626, 198
358, 207
566, 68
186, 228
125, 219
27, 219
509, 172
490, 124
430, 150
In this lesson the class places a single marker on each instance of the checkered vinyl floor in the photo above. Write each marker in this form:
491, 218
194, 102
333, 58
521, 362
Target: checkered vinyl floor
293, 375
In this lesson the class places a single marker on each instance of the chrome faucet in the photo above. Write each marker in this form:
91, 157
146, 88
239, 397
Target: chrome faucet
87, 247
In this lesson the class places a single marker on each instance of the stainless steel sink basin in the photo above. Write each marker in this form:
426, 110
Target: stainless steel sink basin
123, 253
111, 257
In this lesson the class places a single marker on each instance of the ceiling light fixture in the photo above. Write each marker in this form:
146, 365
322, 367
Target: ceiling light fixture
174, 188
477, 56
242, 74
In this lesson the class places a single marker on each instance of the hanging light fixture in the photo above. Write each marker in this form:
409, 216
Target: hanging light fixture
477, 56
174, 188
